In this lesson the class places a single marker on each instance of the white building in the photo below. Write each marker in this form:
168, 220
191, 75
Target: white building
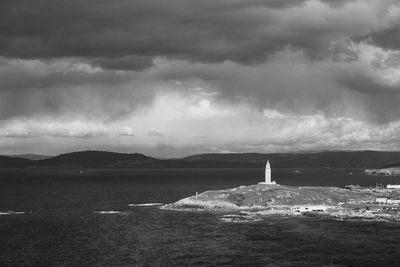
393, 201
381, 200
268, 173
393, 186
311, 208
268, 179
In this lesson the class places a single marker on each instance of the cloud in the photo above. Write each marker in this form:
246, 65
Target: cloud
126, 34
388, 37
69, 87
175, 130
197, 76
28, 128
134, 62
364, 89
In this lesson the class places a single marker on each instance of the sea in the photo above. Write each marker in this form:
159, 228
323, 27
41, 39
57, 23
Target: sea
93, 217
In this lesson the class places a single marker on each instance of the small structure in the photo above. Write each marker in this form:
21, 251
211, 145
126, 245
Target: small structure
311, 208
393, 186
393, 201
353, 187
381, 200
268, 174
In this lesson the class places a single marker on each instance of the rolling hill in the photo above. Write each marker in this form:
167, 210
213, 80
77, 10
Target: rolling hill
30, 156
97, 159
104, 159
297, 160
6, 161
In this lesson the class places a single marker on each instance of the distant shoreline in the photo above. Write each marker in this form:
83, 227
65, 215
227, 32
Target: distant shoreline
105, 159
393, 171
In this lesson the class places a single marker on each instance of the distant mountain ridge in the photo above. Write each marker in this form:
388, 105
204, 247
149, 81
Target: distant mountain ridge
105, 159
102, 159
304, 159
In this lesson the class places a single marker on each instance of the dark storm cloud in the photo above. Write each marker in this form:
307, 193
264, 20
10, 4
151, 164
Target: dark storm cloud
380, 99
242, 75
123, 34
59, 88
336, 3
388, 38
136, 63
304, 87
365, 82
26, 81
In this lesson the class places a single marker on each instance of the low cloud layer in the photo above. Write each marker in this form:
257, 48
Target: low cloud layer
199, 76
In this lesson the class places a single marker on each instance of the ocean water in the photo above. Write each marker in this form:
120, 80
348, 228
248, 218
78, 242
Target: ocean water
84, 219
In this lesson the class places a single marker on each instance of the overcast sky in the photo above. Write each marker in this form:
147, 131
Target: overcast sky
175, 77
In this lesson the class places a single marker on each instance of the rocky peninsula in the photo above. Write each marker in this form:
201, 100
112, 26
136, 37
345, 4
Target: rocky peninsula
391, 171
252, 202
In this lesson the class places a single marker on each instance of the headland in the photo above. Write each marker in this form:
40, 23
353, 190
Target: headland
264, 199
268, 198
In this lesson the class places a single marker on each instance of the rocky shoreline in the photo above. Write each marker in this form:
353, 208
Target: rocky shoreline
251, 203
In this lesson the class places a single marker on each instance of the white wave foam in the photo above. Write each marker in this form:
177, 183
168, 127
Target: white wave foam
12, 212
107, 212
145, 205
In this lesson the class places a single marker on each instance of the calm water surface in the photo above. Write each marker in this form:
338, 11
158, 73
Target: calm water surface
62, 230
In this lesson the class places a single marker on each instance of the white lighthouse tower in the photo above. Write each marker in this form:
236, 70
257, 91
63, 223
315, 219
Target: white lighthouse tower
268, 174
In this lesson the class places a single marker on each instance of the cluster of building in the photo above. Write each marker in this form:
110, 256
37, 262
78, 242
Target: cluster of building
312, 208
379, 188
385, 200
384, 171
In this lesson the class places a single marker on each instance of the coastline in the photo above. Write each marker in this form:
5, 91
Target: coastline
250, 203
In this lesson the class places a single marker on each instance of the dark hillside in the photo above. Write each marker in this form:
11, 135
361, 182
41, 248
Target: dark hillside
96, 159
103, 159
6, 161
30, 156
320, 159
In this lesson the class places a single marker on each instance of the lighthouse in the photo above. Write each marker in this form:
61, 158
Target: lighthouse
268, 173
